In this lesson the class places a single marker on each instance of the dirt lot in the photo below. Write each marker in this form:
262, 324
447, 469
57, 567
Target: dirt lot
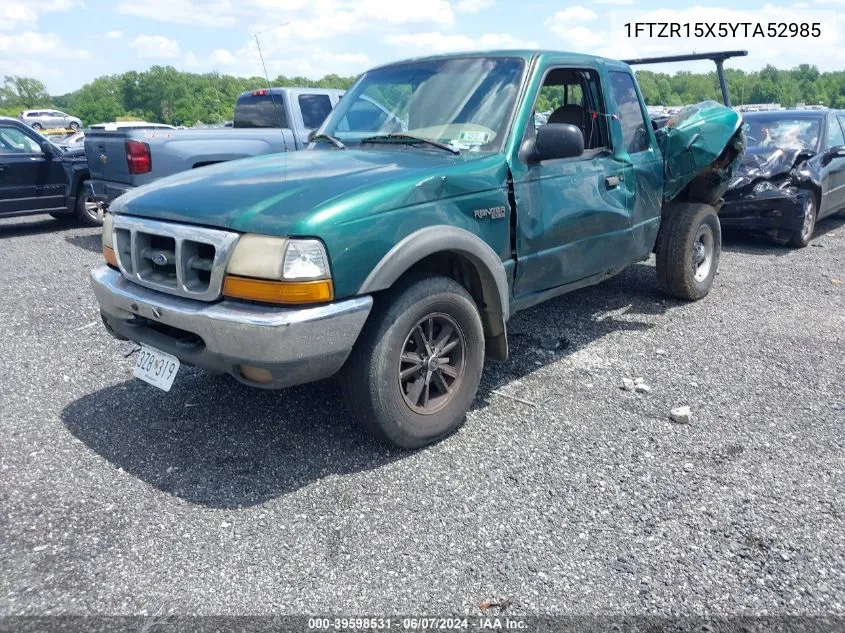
562, 492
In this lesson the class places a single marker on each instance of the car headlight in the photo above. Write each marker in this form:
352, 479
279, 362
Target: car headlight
278, 270
108, 240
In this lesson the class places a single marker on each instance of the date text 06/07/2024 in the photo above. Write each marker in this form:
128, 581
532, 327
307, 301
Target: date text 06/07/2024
723, 29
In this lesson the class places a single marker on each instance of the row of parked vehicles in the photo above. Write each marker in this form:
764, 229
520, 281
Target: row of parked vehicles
431, 206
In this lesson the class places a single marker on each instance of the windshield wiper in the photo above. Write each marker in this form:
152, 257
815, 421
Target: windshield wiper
331, 139
410, 138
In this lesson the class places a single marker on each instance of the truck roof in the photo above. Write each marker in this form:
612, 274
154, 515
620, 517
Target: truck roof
526, 54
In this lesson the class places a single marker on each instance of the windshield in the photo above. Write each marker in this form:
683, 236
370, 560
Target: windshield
782, 132
466, 103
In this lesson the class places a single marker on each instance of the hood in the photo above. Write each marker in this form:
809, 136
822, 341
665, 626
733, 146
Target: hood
295, 193
696, 138
767, 163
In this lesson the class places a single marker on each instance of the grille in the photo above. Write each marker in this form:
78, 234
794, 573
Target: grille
179, 259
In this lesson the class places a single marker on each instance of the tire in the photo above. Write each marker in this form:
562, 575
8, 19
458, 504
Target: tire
37, 127
74, 126
689, 244
394, 409
87, 210
803, 236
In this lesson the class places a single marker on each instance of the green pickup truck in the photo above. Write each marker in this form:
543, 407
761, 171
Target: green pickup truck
394, 250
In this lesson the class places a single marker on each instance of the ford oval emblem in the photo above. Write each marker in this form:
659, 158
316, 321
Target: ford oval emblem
160, 259
104, 159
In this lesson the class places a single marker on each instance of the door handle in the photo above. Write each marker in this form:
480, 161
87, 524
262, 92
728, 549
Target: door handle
611, 181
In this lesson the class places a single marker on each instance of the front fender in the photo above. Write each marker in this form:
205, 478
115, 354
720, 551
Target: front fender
451, 239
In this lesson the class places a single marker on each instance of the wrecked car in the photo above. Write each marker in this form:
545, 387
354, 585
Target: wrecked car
791, 176
393, 254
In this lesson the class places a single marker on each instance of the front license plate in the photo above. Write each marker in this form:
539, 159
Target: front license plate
156, 367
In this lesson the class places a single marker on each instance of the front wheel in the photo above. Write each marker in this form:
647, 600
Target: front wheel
416, 368
802, 237
689, 244
74, 126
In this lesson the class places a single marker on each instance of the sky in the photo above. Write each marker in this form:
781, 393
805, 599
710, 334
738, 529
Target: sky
67, 43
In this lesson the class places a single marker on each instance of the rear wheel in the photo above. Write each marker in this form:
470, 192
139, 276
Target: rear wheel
689, 245
37, 127
87, 209
416, 368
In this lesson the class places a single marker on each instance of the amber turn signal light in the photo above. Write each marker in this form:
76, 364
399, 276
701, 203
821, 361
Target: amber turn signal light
109, 256
290, 292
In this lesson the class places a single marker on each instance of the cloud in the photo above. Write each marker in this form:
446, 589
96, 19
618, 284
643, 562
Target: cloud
473, 6
561, 23
609, 38
114, 35
155, 47
436, 42
312, 19
314, 63
15, 14
33, 54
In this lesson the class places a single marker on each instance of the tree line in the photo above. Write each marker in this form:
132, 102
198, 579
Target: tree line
166, 95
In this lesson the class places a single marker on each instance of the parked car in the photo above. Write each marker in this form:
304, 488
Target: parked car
50, 119
123, 156
37, 176
396, 258
792, 175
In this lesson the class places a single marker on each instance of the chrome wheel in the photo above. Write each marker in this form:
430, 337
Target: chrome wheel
431, 364
809, 219
702, 253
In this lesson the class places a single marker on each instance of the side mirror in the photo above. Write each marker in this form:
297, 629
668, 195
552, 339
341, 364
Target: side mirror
834, 152
558, 140
311, 135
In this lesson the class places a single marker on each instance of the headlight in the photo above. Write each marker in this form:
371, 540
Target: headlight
108, 222
108, 240
258, 256
278, 270
305, 259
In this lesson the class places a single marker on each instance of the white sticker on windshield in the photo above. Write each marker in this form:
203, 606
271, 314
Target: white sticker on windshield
468, 136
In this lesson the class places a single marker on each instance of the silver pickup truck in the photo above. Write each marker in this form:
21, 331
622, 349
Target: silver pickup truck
266, 121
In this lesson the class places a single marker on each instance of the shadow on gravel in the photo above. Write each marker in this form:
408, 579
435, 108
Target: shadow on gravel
741, 242
92, 242
18, 227
215, 442
629, 301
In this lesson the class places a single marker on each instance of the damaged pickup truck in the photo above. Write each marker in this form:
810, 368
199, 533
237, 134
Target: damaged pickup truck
791, 176
394, 251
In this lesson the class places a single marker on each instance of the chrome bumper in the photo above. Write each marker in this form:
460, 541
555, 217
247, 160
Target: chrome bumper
106, 191
297, 345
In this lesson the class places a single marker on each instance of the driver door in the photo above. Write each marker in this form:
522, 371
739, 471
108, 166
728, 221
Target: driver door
573, 218
30, 181
833, 173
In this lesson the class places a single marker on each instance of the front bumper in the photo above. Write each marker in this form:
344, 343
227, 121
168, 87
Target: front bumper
770, 210
297, 345
106, 191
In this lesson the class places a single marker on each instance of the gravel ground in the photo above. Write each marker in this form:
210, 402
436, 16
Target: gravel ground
563, 493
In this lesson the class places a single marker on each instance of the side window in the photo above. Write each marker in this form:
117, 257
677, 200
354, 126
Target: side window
573, 96
634, 125
835, 138
315, 109
13, 141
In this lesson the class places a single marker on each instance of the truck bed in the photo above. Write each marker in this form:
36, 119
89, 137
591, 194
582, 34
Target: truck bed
172, 151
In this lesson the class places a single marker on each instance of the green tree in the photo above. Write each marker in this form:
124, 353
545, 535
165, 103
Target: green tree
23, 92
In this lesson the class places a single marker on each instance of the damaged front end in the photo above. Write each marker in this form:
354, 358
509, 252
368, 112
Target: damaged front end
702, 146
770, 191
